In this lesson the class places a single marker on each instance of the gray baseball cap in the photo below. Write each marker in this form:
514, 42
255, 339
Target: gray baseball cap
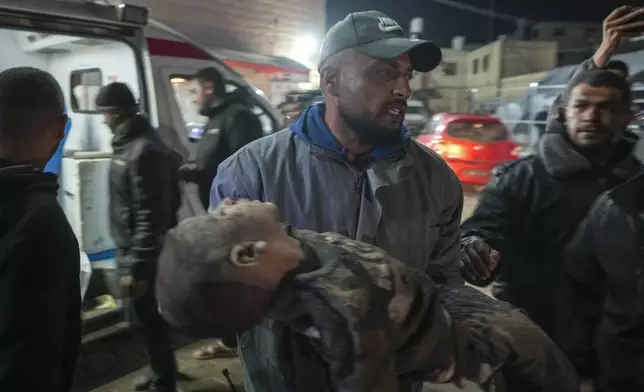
379, 36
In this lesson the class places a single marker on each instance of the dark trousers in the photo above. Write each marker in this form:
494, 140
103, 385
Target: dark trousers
145, 310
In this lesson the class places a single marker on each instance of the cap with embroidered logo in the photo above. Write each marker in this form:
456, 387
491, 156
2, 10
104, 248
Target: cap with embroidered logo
379, 36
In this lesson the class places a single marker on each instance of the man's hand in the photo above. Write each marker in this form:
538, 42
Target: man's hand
479, 260
188, 172
619, 21
132, 287
587, 386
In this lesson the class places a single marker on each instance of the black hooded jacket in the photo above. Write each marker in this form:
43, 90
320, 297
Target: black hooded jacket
40, 303
530, 210
603, 290
231, 126
144, 196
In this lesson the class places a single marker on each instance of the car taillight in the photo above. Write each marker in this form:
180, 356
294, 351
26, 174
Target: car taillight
446, 149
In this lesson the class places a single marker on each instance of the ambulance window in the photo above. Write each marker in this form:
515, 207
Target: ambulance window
84, 86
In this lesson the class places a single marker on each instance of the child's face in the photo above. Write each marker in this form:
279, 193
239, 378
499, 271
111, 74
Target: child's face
269, 253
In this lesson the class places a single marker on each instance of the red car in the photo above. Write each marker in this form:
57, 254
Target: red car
471, 144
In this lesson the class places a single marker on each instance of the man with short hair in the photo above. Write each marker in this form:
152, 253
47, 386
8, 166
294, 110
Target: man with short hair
615, 27
144, 200
531, 207
40, 304
231, 125
349, 166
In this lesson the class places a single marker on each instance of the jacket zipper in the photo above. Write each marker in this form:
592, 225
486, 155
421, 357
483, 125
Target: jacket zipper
359, 186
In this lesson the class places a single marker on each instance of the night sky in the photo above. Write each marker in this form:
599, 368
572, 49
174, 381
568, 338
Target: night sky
443, 22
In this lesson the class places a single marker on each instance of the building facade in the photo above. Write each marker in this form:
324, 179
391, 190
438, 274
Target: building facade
254, 37
488, 74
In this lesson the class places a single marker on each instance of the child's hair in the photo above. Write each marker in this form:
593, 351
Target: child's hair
196, 292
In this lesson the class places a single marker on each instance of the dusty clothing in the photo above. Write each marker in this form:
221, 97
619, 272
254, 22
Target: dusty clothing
40, 304
530, 210
604, 290
368, 322
144, 196
403, 198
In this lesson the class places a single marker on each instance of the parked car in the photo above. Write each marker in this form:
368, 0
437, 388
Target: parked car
296, 102
416, 116
472, 144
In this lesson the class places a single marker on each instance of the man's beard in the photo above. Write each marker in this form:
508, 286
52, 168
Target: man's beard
367, 131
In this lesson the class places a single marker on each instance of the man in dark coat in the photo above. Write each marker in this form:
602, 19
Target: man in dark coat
603, 291
144, 200
531, 207
231, 125
529, 210
40, 304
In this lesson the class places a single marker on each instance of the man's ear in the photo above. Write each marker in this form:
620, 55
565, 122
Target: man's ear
60, 131
247, 254
330, 79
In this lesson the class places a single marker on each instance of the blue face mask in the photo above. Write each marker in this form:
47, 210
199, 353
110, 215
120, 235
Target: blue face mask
53, 166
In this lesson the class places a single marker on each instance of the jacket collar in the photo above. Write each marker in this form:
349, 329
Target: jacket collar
561, 159
130, 130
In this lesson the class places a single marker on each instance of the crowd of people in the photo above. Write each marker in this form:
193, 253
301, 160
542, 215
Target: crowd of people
333, 251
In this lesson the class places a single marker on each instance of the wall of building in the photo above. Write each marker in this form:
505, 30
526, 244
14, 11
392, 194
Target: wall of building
514, 87
569, 35
270, 27
526, 57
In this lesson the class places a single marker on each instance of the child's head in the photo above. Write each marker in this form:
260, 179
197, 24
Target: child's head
219, 273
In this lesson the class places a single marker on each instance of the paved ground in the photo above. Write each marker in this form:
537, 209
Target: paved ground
113, 365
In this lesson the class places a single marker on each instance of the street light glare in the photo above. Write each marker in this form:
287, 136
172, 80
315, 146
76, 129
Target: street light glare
304, 48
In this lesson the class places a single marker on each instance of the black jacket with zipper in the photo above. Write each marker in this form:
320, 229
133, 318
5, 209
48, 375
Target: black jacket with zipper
530, 210
603, 290
144, 196
231, 126
40, 302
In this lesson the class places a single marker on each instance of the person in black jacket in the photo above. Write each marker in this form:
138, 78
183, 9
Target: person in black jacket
603, 291
532, 206
144, 200
231, 126
40, 303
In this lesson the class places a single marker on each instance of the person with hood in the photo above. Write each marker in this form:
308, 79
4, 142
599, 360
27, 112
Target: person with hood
348, 165
603, 291
40, 303
530, 209
144, 200
231, 125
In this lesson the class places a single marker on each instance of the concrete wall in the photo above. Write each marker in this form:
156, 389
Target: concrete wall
268, 27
